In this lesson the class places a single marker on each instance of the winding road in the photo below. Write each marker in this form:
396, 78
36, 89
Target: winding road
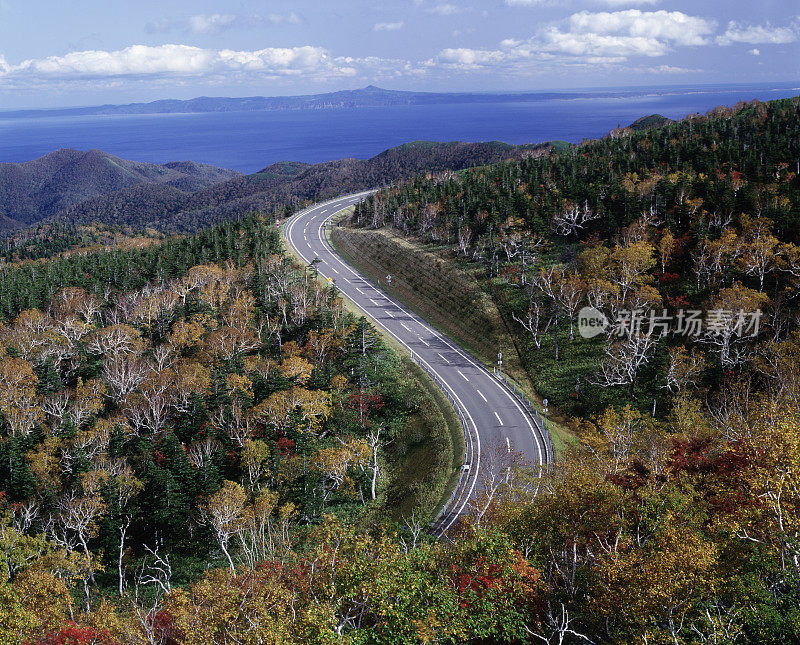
490, 412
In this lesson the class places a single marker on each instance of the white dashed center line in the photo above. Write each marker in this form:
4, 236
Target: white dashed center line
462, 376
443, 358
499, 420
480, 394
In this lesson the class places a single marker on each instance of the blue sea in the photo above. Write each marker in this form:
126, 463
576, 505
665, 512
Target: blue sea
248, 141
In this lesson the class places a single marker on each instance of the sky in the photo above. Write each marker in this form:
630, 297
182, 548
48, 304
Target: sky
88, 52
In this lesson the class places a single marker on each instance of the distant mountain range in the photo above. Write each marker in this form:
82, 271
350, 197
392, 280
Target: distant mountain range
35, 190
369, 96
74, 187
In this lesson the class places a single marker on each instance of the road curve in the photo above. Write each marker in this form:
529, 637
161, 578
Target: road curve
489, 410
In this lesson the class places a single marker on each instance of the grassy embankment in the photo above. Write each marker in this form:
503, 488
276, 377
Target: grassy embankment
423, 465
450, 298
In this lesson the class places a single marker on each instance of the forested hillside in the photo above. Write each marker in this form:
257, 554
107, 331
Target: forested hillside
154, 397
275, 187
35, 190
699, 215
69, 187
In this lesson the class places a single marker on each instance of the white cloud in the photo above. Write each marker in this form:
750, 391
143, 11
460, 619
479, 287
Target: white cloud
445, 9
757, 34
670, 69
465, 58
666, 26
620, 34
589, 39
754, 52
607, 36
388, 26
216, 23
593, 44
213, 24
177, 61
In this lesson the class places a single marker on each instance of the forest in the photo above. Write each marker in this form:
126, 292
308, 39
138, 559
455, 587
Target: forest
699, 215
156, 399
198, 439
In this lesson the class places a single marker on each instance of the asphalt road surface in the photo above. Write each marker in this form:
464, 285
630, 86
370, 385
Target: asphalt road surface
492, 416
